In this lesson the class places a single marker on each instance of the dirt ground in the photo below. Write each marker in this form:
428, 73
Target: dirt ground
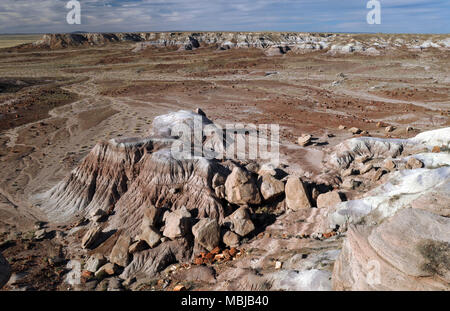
55, 105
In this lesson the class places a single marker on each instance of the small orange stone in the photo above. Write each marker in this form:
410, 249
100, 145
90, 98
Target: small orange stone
216, 250
179, 288
233, 251
436, 149
86, 274
209, 256
198, 261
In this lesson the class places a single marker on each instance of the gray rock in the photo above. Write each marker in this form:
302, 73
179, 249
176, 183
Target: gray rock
296, 194
270, 187
207, 233
138, 246
152, 216
231, 239
150, 235
106, 270
95, 262
241, 222
119, 254
91, 237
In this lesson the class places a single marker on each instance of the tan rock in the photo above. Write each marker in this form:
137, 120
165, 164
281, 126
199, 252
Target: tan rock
328, 199
348, 172
379, 173
389, 129
389, 165
241, 189
178, 223
150, 235
138, 246
106, 270
270, 187
119, 254
407, 252
152, 216
366, 168
296, 194
414, 163
355, 130
91, 237
304, 140
231, 239
220, 192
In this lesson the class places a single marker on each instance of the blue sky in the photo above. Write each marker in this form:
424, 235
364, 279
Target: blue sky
397, 16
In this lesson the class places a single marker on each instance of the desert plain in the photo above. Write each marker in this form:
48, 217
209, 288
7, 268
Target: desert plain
58, 101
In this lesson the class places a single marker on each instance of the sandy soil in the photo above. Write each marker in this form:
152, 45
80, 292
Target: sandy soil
55, 105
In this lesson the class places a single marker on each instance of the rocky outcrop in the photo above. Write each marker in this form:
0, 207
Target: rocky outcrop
410, 251
272, 43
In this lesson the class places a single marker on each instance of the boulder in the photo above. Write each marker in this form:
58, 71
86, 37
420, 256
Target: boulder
270, 187
355, 130
328, 199
95, 262
97, 215
40, 234
152, 216
119, 254
106, 270
389, 129
5, 271
241, 189
241, 222
178, 223
414, 163
366, 168
416, 242
304, 140
150, 235
138, 246
296, 194
91, 237
231, 239
207, 233
409, 251
389, 165
267, 169
351, 184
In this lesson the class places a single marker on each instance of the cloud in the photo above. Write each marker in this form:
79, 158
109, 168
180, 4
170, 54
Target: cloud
26, 16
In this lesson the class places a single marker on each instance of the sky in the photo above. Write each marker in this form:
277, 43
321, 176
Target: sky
397, 16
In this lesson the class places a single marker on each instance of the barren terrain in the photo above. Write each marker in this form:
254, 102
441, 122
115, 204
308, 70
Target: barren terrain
57, 104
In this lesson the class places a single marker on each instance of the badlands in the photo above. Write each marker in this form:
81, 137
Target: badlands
91, 197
